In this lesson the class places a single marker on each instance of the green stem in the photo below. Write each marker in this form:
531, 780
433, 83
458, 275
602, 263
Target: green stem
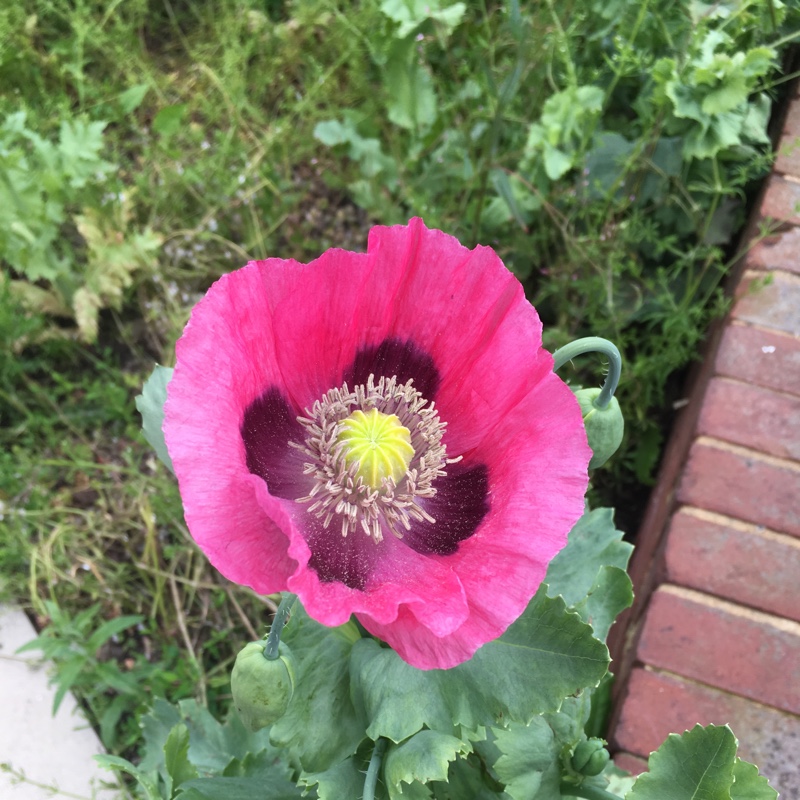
281, 617
594, 344
374, 768
584, 790
365, 634
790, 37
562, 41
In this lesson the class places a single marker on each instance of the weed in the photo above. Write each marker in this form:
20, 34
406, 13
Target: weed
86, 259
93, 531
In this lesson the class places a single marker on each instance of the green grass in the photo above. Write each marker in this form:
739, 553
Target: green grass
166, 142
93, 530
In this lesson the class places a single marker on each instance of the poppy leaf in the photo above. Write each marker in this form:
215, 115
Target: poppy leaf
546, 655
593, 543
214, 746
698, 763
611, 593
264, 786
748, 784
146, 782
425, 757
150, 404
320, 726
176, 757
468, 778
345, 779
526, 760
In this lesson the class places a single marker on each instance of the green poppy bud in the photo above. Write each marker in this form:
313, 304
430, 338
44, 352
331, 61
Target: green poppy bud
590, 757
604, 426
262, 688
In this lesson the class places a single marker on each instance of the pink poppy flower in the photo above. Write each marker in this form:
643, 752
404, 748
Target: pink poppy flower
382, 434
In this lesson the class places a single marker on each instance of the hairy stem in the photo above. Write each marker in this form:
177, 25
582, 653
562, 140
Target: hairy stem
374, 768
281, 616
586, 791
594, 344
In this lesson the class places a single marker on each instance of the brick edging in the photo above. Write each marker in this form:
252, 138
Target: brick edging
649, 564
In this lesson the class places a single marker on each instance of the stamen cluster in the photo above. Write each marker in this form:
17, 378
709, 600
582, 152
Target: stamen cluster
338, 490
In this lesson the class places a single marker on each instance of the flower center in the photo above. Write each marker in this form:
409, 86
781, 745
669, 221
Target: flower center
373, 456
380, 445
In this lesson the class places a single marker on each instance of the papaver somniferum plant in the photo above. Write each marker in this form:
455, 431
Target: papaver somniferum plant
381, 439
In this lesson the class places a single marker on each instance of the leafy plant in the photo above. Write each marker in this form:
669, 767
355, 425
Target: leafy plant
614, 186
84, 259
493, 727
74, 645
190, 754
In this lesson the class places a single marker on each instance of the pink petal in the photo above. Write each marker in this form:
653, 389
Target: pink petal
222, 363
475, 322
281, 334
537, 488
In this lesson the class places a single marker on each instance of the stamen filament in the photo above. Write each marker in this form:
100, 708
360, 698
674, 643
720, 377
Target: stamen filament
374, 454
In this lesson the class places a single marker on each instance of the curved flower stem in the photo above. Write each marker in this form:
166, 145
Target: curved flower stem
594, 344
587, 791
374, 768
281, 616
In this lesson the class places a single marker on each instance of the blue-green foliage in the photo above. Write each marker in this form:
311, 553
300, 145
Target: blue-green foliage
506, 724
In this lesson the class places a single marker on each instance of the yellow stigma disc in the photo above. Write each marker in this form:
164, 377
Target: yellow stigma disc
380, 444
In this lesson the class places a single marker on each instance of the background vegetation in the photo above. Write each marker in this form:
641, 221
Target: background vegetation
605, 148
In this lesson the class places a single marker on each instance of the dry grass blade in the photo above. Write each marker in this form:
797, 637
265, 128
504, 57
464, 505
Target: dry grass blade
179, 615
242, 616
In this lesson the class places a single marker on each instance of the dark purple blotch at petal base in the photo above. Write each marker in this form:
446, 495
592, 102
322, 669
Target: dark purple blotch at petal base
395, 358
268, 425
461, 502
347, 559
459, 506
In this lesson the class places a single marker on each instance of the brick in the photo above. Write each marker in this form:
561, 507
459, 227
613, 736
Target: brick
774, 304
735, 561
788, 160
743, 485
723, 645
658, 704
781, 200
751, 416
630, 763
779, 251
764, 358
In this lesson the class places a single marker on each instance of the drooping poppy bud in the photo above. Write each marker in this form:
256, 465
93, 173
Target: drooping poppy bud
604, 426
261, 687
590, 757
